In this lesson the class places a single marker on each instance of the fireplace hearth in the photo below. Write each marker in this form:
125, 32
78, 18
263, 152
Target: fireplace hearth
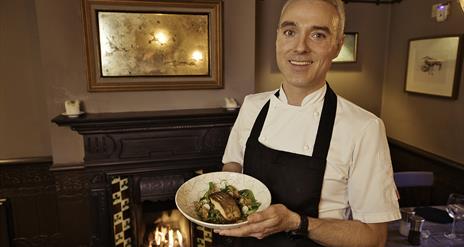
136, 161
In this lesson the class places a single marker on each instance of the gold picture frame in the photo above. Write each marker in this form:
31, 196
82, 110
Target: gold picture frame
349, 51
135, 45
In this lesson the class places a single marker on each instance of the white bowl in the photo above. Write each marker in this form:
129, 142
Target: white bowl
195, 188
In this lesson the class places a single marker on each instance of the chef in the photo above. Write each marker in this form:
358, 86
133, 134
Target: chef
325, 160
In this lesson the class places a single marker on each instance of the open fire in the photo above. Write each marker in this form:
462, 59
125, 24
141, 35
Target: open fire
164, 236
170, 229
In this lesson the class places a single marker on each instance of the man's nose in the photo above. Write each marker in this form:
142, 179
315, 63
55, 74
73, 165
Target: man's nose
302, 45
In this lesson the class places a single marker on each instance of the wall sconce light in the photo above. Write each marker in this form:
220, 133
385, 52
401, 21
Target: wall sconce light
462, 4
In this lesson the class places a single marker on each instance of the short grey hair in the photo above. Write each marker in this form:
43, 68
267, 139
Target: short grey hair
339, 6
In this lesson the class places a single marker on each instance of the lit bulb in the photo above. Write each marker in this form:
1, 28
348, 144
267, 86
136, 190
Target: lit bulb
161, 38
197, 56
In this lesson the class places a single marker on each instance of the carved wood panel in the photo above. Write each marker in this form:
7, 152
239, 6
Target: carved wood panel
163, 144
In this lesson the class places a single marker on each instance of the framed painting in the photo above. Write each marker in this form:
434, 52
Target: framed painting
434, 66
349, 49
153, 44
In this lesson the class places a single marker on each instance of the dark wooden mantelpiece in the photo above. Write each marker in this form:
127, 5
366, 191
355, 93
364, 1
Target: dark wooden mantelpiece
151, 136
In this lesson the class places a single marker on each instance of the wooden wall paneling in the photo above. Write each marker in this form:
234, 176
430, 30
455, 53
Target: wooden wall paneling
73, 206
448, 175
6, 223
100, 192
30, 187
24, 211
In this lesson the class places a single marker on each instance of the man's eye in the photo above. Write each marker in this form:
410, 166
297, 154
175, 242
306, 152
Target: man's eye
288, 33
318, 36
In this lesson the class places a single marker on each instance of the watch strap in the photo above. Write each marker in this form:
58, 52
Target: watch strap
302, 230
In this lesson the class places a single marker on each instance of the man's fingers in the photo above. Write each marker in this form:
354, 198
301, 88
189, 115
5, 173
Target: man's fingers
262, 228
256, 217
260, 224
236, 232
242, 231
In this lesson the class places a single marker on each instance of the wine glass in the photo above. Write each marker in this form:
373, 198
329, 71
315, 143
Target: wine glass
455, 209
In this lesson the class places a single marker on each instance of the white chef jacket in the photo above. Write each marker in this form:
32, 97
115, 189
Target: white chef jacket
358, 180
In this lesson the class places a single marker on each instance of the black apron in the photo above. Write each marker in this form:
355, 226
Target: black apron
294, 180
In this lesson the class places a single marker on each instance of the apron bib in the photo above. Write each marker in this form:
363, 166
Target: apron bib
294, 180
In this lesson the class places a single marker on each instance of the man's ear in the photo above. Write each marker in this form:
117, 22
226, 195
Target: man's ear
339, 45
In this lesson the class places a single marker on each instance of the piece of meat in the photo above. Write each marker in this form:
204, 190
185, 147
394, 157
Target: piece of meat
226, 205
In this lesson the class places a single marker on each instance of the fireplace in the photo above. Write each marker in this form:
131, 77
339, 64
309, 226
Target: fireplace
161, 218
160, 223
136, 161
166, 228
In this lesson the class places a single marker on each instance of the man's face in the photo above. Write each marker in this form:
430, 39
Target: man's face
307, 42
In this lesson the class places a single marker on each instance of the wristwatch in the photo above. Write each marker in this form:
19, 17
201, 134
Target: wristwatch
302, 230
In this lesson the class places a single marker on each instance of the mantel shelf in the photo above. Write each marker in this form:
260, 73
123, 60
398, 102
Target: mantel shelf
154, 119
152, 136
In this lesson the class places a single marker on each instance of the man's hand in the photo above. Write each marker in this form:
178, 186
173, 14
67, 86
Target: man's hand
328, 232
276, 218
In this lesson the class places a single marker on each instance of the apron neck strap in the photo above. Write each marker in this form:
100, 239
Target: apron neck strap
324, 131
326, 124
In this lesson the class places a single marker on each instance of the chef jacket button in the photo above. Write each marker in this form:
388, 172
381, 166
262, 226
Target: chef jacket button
316, 114
263, 138
306, 147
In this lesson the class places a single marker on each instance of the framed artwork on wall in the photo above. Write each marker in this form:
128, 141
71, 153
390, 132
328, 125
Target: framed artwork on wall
349, 50
434, 66
137, 45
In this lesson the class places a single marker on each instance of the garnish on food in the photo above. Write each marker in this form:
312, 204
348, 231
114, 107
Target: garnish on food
225, 204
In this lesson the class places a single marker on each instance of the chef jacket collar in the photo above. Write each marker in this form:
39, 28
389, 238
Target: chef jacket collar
311, 98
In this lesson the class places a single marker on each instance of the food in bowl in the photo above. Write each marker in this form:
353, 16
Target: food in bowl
223, 204
195, 188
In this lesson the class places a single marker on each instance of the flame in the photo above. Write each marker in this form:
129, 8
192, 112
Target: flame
180, 238
167, 237
171, 238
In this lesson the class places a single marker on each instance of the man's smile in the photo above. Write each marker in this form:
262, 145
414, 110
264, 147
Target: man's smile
300, 62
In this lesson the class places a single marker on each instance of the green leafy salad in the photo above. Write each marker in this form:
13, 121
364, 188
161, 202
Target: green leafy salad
223, 204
